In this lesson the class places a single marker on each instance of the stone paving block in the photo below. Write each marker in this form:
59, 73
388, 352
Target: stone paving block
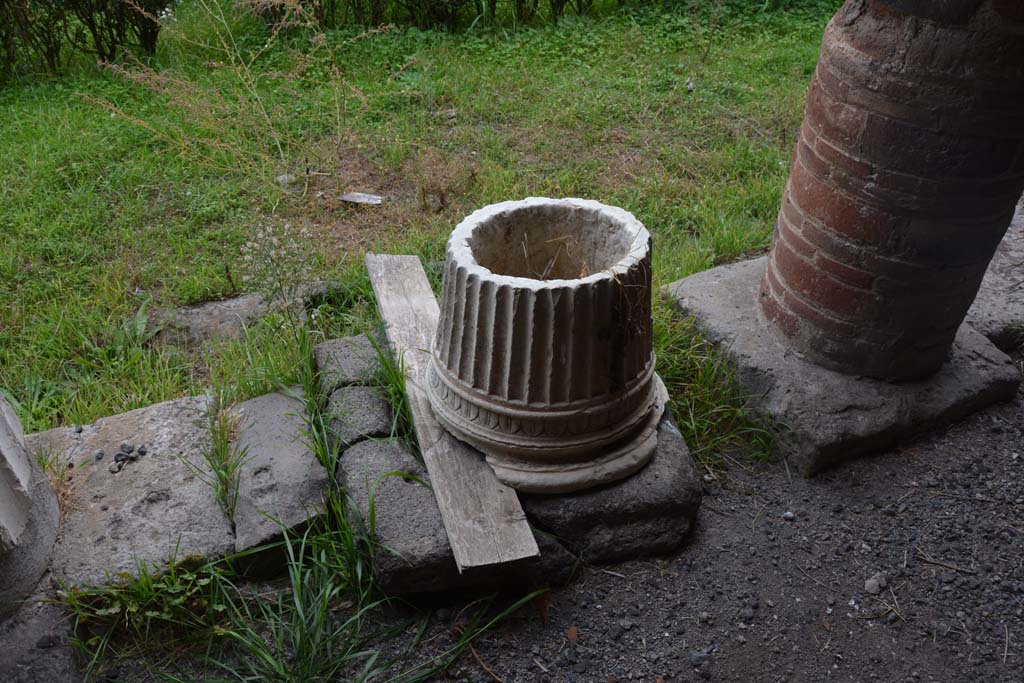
345, 361
649, 513
413, 555
821, 416
155, 508
358, 413
282, 484
998, 310
229, 318
225, 319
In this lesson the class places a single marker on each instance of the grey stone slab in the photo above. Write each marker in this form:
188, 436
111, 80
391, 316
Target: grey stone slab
998, 310
649, 513
345, 361
154, 509
229, 318
36, 642
413, 554
226, 319
281, 484
822, 417
358, 413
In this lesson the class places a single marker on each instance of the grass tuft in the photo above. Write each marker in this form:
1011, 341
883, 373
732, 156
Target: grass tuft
391, 379
705, 400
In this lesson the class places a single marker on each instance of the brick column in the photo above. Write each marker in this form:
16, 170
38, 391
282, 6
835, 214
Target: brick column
909, 164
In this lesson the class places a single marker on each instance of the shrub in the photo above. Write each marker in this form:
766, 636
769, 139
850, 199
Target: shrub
31, 34
38, 34
111, 25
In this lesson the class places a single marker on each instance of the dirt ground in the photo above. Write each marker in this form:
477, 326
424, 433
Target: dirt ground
759, 594
773, 584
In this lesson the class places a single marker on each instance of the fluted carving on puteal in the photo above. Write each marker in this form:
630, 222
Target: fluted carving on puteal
543, 357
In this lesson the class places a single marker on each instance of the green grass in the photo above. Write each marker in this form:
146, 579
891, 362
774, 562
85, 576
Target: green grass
107, 216
321, 622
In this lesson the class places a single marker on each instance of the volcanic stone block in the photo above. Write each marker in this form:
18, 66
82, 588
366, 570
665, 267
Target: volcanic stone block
998, 310
358, 413
282, 484
225, 319
229, 318
413, 554
28, 514
156, 507
905, 177
350, 360
543, 358
823, 416
650, 513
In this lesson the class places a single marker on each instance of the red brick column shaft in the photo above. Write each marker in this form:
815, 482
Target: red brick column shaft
909, 164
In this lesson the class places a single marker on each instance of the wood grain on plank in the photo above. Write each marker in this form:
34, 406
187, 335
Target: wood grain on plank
486, 524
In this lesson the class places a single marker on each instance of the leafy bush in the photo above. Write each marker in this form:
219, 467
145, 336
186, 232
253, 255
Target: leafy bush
32, 34
109, 25
36, 34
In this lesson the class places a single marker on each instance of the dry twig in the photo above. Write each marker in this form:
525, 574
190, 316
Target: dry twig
926, 558
484, 666
800, 569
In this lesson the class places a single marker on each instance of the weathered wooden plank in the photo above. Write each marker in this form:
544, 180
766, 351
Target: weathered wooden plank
483, 518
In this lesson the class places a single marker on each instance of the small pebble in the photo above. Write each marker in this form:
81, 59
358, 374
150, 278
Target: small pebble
78, 429
127, 447
99, 455
47, 641
875, 584
788, 516
141, 450
115, 467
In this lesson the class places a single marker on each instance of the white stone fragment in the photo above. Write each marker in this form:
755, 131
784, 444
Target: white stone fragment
543, 357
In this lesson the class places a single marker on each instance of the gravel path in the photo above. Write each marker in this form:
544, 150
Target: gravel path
777, 582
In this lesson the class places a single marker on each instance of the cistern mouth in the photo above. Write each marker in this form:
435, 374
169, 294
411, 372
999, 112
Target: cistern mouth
546, 240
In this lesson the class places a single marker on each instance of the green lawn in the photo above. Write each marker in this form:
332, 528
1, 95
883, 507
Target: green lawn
123, 194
